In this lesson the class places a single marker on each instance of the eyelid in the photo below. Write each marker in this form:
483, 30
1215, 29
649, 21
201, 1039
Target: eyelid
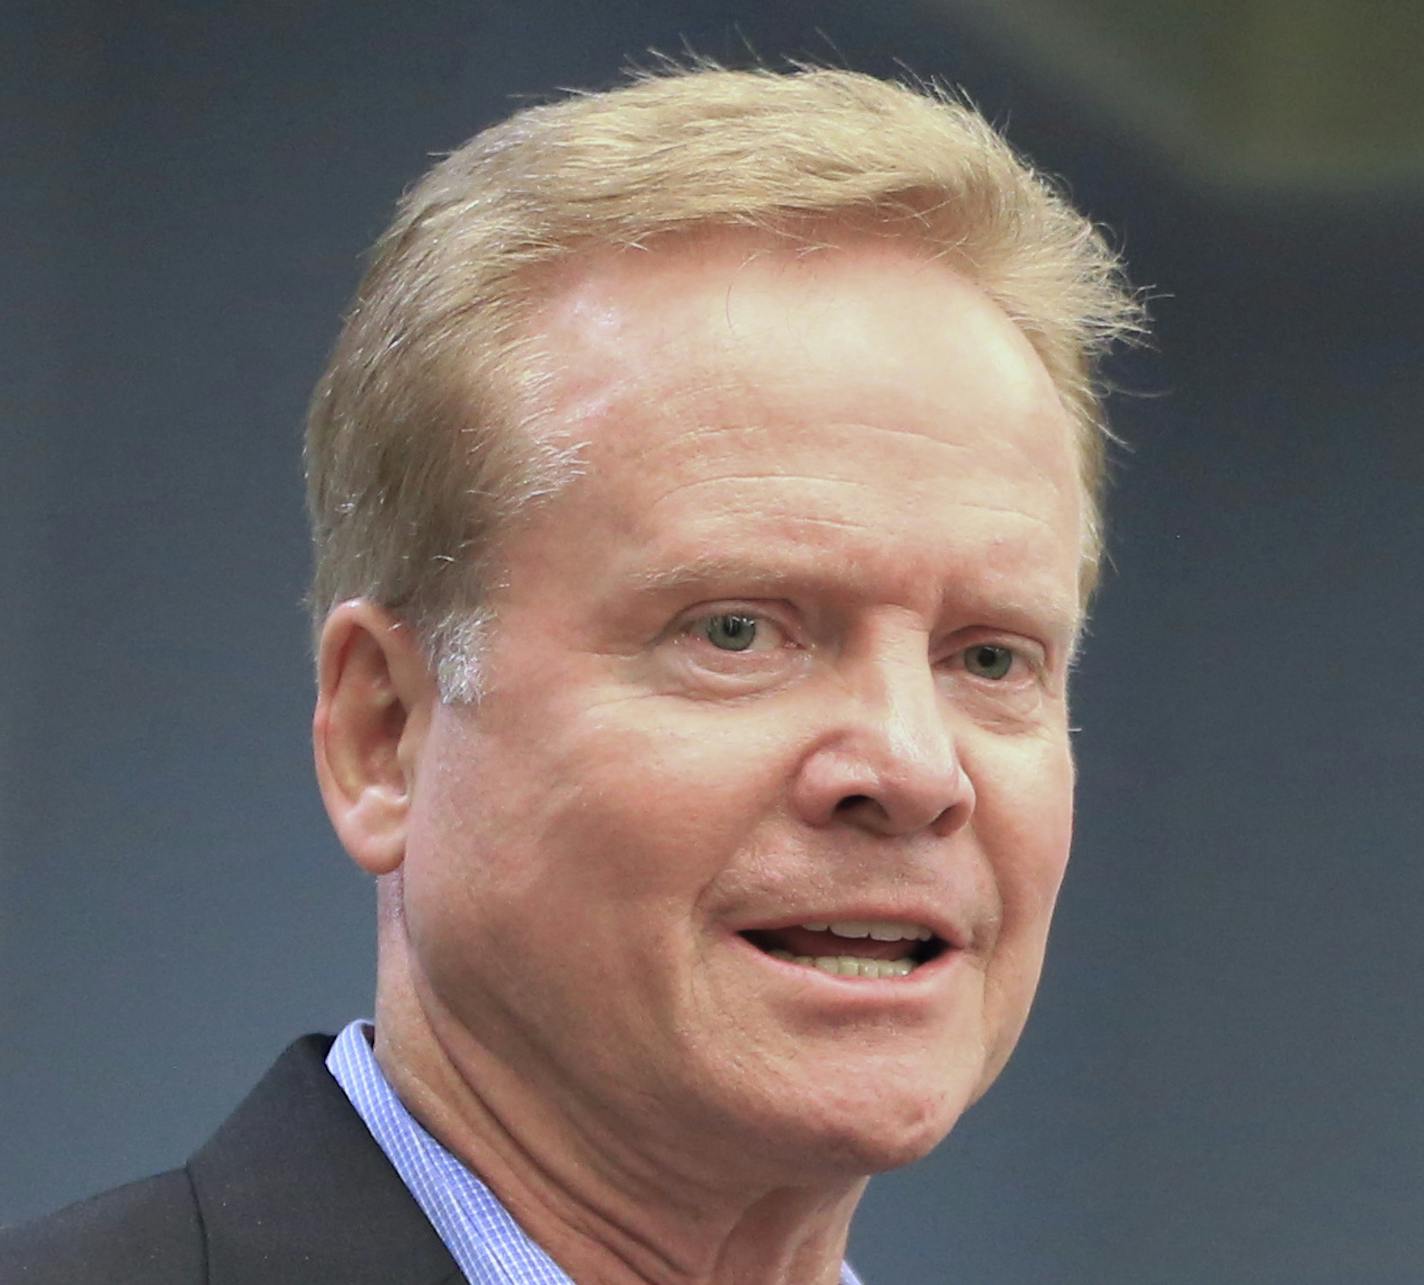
1022, 649
686, 625
754, 610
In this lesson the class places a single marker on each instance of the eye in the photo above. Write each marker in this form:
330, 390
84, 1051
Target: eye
735, 647
729, 631
989, 660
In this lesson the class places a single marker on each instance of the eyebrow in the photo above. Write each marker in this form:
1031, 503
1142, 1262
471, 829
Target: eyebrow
1064, 618
715, 567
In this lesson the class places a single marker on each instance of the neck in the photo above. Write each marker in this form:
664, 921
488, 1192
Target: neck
610, 1203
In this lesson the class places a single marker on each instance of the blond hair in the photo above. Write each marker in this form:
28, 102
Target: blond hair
424, 439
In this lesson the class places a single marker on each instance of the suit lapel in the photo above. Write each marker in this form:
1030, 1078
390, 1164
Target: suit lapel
293, 1190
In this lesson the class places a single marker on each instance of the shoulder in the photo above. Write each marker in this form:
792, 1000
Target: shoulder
146, 1233
290, 1190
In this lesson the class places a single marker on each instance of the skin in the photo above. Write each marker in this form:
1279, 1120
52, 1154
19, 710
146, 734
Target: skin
856, 451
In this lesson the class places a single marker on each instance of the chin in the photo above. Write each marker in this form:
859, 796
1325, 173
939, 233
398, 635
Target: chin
865, 1156
883, 1140
851, 1135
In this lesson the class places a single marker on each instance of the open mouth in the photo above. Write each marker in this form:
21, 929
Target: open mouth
853, 948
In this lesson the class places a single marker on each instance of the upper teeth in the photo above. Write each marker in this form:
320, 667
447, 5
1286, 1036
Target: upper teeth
878, 929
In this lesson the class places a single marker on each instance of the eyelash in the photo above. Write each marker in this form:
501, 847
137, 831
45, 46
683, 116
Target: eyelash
696, 628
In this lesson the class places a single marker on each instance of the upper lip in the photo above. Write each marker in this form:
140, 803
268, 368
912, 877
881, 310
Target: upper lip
946, 931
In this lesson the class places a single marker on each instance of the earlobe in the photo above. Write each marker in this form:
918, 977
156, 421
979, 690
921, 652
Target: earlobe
374, 701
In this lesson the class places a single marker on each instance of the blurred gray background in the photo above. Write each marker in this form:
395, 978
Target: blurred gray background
1221, 1082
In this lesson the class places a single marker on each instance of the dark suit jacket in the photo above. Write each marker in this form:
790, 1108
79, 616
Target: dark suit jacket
291, 1190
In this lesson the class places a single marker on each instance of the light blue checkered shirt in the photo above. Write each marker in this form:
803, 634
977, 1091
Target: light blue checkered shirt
487, 1244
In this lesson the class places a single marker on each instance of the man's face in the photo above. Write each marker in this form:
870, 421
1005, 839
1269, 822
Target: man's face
792, 651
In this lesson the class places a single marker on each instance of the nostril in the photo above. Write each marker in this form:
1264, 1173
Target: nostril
851, 802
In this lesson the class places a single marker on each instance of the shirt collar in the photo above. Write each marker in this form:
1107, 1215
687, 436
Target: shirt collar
483, 1239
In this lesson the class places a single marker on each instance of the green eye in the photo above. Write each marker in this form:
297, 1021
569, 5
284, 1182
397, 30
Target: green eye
730, 632
989, 661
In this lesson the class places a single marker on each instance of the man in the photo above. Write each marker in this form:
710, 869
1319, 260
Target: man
705, 492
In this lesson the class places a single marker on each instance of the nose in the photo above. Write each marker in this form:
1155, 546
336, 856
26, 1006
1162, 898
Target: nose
886, 758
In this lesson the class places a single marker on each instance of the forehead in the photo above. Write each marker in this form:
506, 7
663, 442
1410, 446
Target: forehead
709, 302
735, 316
737, 379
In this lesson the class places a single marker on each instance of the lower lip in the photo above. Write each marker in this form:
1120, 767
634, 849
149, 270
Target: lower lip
875, 990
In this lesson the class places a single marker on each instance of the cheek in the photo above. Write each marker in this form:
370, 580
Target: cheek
1026, 828
563, 861
669, 795
603, 808
1025, 832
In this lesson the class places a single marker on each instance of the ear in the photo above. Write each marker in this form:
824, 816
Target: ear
375, 697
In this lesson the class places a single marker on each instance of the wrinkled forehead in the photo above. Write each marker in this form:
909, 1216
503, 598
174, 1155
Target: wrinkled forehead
742, 386
741, 318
